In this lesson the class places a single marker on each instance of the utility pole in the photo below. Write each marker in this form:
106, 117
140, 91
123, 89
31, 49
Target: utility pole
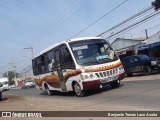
15, 72
131, 35
146, 32
31, 48
7, 72
25, 73
14, 67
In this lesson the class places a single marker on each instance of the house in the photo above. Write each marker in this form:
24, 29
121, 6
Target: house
127, 47
152, 46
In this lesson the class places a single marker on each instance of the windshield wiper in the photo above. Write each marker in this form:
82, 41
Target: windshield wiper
104, 59
90, 63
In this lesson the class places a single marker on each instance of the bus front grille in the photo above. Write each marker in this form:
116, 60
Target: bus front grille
107, 73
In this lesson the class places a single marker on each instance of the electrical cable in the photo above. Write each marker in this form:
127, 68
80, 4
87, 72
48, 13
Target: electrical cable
133, 25
127, 20
99, 19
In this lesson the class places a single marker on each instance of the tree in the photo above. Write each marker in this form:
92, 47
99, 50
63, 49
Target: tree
156, 4
10, 76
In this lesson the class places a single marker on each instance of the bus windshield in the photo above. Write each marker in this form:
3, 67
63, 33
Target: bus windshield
92, 52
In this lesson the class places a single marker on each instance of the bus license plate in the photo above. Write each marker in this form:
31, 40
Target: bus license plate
109, 79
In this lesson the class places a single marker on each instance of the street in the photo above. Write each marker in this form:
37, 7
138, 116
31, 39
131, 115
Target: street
138, 93
135, 93
78, 46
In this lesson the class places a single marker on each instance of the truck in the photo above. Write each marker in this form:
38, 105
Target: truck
4, 83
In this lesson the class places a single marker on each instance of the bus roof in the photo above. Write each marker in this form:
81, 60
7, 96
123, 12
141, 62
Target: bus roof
66, 41
85, 38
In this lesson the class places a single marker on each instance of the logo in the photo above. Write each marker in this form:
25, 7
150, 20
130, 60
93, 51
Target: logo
6, 114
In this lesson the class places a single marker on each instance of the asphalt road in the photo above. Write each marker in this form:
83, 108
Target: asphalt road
138, 95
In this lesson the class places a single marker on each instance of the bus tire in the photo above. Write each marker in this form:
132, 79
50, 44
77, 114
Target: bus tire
49, 92
77, 90
115, 84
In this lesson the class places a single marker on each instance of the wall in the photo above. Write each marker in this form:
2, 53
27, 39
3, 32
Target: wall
121, 43
153, 39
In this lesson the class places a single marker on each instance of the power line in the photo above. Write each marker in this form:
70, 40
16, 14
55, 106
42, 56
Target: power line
127, 20
134, 25
142, 30
67, 10
129, 27
99, 19
60, 20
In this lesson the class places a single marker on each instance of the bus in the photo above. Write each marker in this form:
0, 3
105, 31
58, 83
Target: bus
77, 65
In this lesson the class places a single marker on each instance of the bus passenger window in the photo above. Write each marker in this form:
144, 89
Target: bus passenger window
43, 68
40, 67
49, 61
57, 59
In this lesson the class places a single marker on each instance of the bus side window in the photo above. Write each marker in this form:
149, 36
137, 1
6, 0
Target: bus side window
40, 66
34, 64
66, 59
57, 61
49, 61
38, 69
43, 66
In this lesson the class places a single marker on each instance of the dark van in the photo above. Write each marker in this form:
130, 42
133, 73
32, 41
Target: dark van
139, 63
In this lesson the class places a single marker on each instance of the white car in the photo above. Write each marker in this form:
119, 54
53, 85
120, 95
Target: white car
4, 86
12, 86
28, 84
5, 83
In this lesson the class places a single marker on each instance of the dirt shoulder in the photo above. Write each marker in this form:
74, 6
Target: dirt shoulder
141, 76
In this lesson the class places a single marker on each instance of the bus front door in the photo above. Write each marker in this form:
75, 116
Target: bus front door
59, 72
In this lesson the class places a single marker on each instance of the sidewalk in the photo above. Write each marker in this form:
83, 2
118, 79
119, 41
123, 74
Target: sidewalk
141, 76
16, 88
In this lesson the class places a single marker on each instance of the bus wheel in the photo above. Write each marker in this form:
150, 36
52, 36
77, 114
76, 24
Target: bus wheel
49, 92
115, 84
78, 91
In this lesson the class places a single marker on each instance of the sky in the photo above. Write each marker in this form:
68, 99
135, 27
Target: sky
41, 23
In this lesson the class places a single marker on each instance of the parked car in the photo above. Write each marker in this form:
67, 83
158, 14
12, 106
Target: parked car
139, 63
0, 92
5, 83
27, 84
12, 86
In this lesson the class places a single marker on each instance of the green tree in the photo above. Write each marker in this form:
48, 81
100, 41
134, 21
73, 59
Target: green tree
11, 76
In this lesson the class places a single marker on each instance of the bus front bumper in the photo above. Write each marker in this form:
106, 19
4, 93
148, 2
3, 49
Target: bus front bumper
97, 83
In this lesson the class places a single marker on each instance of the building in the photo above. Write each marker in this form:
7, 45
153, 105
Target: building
127, 47
152, 46
17, 81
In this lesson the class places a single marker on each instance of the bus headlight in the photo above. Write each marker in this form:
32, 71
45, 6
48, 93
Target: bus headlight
87, 76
